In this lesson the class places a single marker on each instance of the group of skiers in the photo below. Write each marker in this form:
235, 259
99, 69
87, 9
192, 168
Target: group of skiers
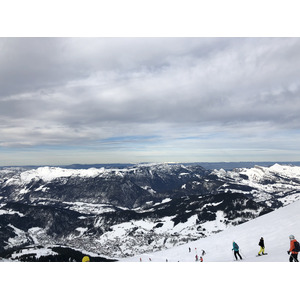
293, 251
197, 259
237, 253
196, 256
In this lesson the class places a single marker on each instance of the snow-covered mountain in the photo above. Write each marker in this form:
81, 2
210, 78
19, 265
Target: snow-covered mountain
120, 212
279, 182
127, 187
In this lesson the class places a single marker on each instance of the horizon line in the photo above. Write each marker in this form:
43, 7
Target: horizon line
141, 163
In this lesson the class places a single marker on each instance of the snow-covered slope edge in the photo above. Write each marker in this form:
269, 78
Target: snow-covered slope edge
275, 227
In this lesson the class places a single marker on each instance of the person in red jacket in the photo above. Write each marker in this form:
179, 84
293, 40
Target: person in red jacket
294, 254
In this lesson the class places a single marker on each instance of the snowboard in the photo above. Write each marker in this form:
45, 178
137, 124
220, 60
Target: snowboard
261, 255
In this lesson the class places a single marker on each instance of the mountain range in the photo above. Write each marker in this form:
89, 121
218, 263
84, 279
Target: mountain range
119, 211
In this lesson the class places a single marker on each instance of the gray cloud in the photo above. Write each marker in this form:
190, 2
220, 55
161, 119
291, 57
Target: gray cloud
80, 90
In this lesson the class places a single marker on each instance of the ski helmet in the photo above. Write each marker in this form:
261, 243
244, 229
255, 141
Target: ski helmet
291, 237
85, 259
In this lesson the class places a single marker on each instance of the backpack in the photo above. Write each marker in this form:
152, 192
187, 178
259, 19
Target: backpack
297, 246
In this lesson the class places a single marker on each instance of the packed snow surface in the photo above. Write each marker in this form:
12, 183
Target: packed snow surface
274, 227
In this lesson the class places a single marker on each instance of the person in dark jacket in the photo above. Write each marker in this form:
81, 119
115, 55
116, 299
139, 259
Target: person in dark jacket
236, 250
262, 246
292, 252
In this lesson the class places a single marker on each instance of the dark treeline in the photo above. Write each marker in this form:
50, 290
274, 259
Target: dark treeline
64, 254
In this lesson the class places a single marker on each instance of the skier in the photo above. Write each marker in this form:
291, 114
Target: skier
196, 257
203, 252
201, 259
236, 250
293, 251
262, 246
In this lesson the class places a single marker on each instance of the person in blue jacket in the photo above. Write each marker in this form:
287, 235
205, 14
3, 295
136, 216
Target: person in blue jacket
236, 250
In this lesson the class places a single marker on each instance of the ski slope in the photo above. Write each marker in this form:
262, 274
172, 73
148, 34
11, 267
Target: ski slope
274, 227
183, 281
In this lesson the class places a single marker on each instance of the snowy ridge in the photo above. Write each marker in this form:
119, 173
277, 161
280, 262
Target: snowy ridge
51, 173
258, 173
264, 183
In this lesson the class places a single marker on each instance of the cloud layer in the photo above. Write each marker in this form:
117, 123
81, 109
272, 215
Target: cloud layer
149, 99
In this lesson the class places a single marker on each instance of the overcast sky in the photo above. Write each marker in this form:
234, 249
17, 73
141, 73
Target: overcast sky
115, 100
